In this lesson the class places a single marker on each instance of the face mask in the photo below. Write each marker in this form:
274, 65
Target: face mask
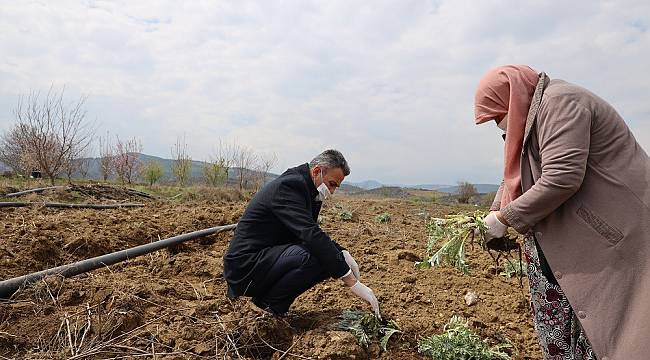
503, 125
323, 190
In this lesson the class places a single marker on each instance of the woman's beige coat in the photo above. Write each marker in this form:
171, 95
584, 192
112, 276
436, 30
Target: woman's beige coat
586, 197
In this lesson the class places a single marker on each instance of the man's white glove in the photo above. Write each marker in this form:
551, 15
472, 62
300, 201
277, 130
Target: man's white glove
496, 228
352, 264
364, 292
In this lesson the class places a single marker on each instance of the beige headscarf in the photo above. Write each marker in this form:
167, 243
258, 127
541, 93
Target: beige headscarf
507, 89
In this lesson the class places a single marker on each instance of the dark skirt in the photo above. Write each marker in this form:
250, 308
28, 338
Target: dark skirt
561, 336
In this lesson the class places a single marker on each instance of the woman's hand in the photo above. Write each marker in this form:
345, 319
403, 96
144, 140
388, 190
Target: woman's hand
496, 228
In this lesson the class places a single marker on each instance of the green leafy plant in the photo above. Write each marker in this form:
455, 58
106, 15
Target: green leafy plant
458, 342
512, 269
366, 327
345, 215
455, 231
383, 218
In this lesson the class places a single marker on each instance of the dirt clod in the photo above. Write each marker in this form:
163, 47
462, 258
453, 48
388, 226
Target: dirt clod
408, 255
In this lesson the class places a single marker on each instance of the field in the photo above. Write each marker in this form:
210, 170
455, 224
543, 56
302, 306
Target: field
172, 304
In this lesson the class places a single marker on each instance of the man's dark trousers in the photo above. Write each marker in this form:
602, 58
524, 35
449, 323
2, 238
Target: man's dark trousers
295, 272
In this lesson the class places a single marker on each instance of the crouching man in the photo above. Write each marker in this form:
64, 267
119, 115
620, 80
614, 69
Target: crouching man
278, 251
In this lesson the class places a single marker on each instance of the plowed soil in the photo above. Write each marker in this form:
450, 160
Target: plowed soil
172, 304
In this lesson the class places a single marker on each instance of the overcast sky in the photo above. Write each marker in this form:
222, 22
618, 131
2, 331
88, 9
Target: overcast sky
389, 83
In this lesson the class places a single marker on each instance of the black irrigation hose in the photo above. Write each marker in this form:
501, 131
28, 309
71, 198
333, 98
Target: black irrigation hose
10, 286
92, 206
14, 204
70, 206
140, 193
19, 193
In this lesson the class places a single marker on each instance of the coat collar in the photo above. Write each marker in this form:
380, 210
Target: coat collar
534, 105
306, 174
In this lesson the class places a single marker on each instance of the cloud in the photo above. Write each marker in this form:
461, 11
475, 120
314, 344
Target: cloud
389, 83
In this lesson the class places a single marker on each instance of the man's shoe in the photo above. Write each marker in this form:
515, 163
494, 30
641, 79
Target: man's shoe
231, 293
266, 307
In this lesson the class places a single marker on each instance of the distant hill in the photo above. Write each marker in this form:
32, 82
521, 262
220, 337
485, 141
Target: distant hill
453, 189
349, 188
480, 188
367, 185
449, 189
429, 186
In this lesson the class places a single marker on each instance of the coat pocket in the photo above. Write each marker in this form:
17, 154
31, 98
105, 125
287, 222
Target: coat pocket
610, 233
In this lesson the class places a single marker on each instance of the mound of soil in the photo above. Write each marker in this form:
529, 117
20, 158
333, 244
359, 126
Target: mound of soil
90, 193
108, 192
173, 303
335, 345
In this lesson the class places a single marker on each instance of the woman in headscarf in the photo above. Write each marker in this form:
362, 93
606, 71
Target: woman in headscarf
576, 183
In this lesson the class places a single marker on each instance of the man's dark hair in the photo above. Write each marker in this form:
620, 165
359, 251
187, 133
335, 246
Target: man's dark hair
331, 159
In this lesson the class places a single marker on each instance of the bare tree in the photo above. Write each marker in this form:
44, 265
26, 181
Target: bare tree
264, 164
83, 166
14, 152
244, 160
181, 162
126, 160
106, 154
71, 168
466, 191
77, 164
52, 131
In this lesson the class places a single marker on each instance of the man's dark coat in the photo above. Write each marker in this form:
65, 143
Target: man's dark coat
282, 213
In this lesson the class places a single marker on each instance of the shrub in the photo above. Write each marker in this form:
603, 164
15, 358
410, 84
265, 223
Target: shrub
181, 162
458, 342
215, 172
152, 172
466, 191
383, 218
345, 215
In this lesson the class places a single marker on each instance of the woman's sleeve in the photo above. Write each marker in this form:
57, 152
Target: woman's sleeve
496, 203
563, 131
